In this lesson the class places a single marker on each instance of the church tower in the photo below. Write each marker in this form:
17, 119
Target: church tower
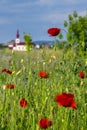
17, 40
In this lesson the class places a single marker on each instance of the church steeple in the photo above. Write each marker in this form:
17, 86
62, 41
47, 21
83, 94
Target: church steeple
17, 35
17, 40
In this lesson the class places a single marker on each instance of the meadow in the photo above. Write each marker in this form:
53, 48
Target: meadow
43, 89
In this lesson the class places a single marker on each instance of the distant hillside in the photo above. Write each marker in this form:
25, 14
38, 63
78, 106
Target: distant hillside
2, 45
44, 41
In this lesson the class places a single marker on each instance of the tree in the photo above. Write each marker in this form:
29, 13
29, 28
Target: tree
28, 39
77, 29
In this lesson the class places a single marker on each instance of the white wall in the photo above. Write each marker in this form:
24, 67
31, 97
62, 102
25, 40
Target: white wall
19, 48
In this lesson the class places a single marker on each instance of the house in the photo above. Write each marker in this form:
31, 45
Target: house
17, 45
11, 44
37, 46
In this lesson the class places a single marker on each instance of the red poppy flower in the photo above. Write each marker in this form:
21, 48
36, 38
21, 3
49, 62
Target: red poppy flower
43, 74
66, 100
11, 86
23, 103
81, 74
7, 71
45, 123
54, 31
3, 70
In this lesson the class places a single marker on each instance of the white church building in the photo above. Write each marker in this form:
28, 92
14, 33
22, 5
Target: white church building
18, 45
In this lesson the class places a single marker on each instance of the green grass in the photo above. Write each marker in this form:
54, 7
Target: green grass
40, 93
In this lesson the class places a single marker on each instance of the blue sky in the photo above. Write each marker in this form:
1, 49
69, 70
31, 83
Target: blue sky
35, 17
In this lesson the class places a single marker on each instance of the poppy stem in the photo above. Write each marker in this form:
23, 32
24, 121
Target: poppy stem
55, 43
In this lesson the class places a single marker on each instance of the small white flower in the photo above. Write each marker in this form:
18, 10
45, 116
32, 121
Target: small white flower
4, 87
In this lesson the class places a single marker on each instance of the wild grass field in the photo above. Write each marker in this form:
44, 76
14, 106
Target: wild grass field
43, 89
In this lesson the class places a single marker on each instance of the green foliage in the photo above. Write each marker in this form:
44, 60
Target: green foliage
28, 39
40, 93
65, 23
60, 36
75, 15
62, 45
77, 29
70, 17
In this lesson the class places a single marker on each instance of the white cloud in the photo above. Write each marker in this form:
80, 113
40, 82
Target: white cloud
54, 17
58, 17
4, 21
3, 1
45, 2
82, 13
51, 3
56, 2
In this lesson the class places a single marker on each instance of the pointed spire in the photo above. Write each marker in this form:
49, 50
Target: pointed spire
17, 40
17, 35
